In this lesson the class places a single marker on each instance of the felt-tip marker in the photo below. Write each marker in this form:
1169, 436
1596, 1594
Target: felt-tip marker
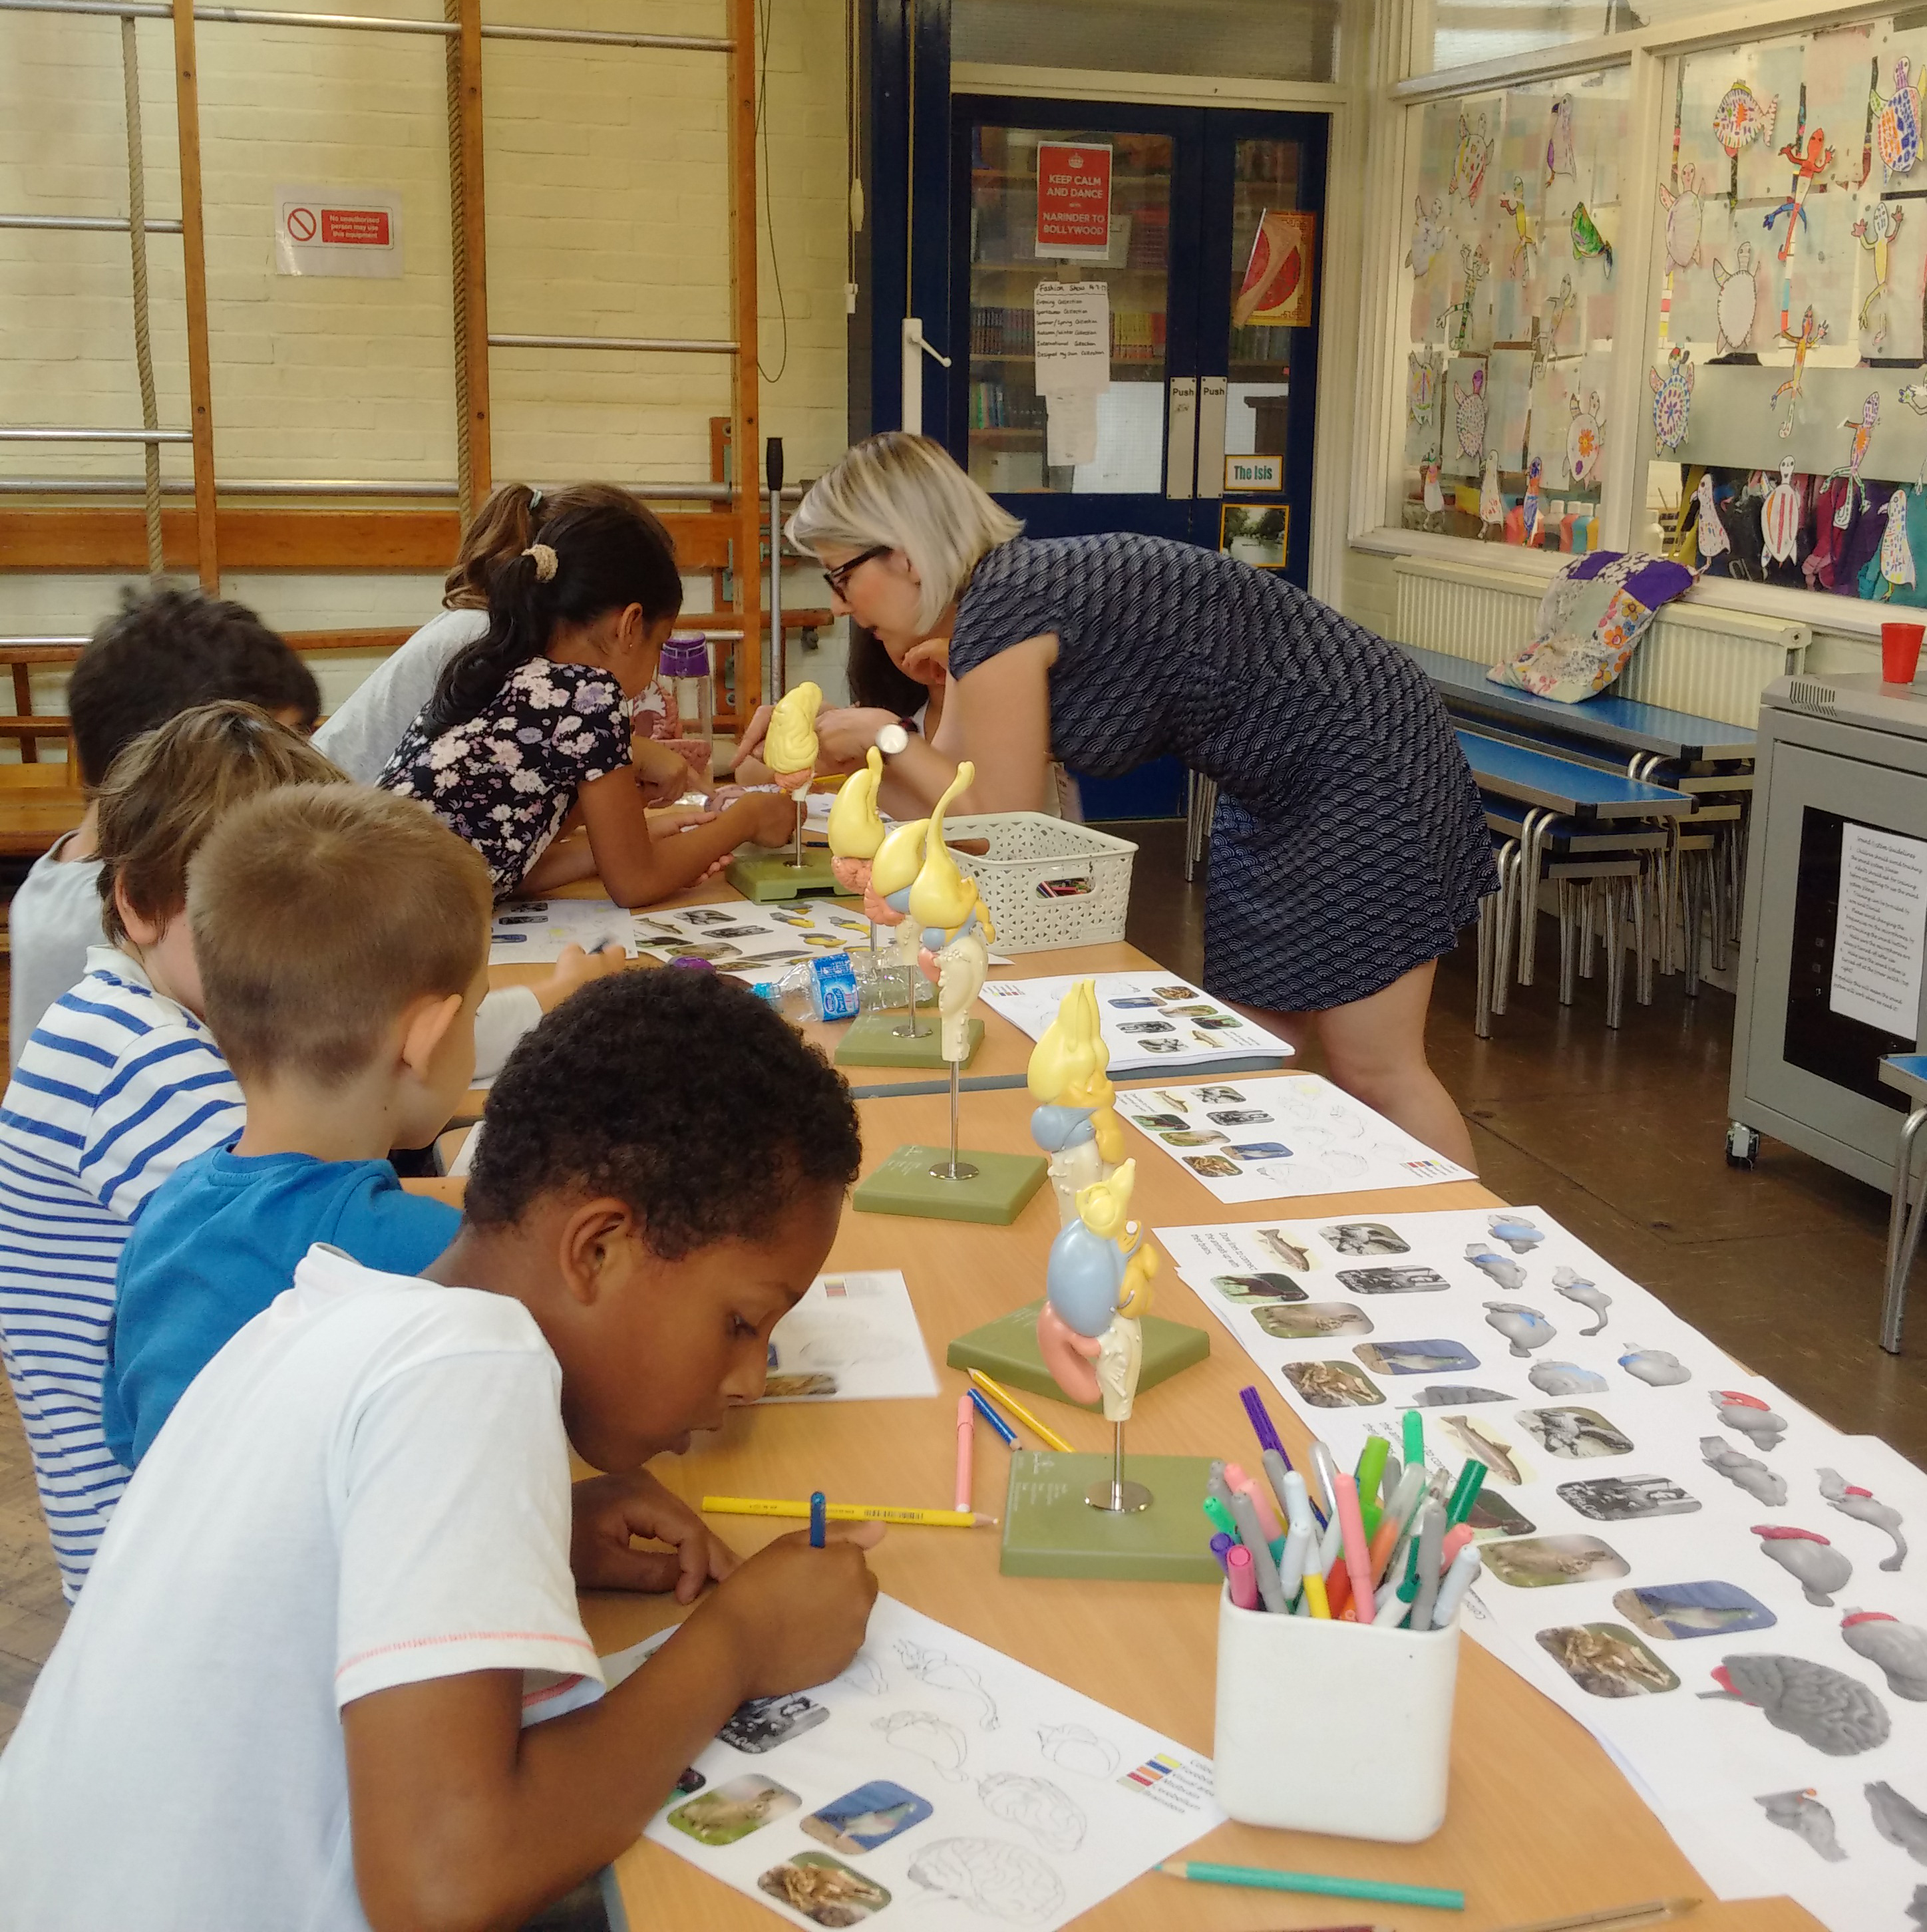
818, 1518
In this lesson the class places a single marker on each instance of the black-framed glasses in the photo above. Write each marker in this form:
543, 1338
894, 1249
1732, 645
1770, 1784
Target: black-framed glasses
838, 579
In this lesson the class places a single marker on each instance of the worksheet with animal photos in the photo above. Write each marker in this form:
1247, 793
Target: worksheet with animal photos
1646, 1494
936, 1780
1152, 1022
534, 932
752, 941
1266, 1140
853, 1337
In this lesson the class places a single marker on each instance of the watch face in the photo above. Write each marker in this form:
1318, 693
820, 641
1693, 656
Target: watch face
891, 740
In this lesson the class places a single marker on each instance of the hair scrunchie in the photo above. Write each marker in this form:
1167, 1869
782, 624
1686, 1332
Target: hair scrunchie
546, 561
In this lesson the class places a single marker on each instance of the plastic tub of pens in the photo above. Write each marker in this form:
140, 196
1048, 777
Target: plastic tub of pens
1338, 1639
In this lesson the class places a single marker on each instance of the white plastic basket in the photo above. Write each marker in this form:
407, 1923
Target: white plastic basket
1031, 853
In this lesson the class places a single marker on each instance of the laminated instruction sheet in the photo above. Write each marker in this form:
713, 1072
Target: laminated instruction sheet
1153, 1022
853, 1337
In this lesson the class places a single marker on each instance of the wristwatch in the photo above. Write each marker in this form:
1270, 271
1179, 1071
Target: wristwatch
892, 739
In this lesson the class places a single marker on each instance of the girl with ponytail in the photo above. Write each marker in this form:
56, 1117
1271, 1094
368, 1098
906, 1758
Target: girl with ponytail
531, 719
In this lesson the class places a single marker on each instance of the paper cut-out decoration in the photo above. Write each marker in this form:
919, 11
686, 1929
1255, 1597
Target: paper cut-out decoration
1897, 120
1585, 438
1476, 267
1559, 306
1672, 386
1435, 497
1430, 233
1491, 502
1739, 299
1685, 214
1811, 157
1741, 118
1914, 395
1422, 387
1861, 1505
1812, 333
1559, 157
1587, 241
1809, 1558
1471, 409
1896, 553
1863, 427
1898, 1649
1470, 159
1714, 541
1526, 234
1802, 1813
1780, 517
1875, 231
1532, 518
1747, 1472
1835, 1714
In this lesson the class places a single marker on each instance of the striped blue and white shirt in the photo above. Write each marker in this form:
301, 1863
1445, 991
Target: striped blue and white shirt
117, 1087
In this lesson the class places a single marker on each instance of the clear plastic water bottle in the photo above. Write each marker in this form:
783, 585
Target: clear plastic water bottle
823, 988
684, 672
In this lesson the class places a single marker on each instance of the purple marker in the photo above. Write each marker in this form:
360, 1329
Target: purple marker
1261, 1422
1221, 1548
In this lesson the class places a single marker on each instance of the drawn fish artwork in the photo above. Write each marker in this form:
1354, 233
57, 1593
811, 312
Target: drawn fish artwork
1738, 301
1863, 1507
1472, 409
1469, 160
1672, 386
1896, 553
1685, 216
1491, 501
1897, 120
1714, 541
1586, 441
1431, 233
1741, 118
1802, 1813
1834, 1714
1780, 517
1560, 156
1587, 242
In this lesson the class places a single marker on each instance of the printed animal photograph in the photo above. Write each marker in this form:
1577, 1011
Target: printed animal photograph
1574, 1433
1493, 1515
1544, 1562
1159, 1122
1194, 1012
826, 1891
791, 1388
1134, 1002
1450, 1395
733, 1810
1673, 1611
1364, 1237
1294, 1253
1220, 1097
1146, 1026
870, 1816
707, 916
1240, 1117
1174, 992
1212, 1166
1262, 1151
1159, 1046
1192, 1137
1245, 1289
764, 1723
1436, 1356
1479, 1437
1626, 1498
1408, 1280
736, 932
1333, 1385
1606, 1660
1311, 1321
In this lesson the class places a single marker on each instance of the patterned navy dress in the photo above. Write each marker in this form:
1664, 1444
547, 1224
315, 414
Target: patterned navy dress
1349, 845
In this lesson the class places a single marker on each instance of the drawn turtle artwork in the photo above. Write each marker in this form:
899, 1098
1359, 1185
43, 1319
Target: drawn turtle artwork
1736, 305
1672, 386
1837, 1714
1430, 233
1897, 121
1685, 216
1470, 159
1897, 565
1471, 409
1780, 517
1898, 1649
1863, 1507
1802, 1813
1585, 438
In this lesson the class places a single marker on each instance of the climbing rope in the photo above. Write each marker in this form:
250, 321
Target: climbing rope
458, 264
143, 347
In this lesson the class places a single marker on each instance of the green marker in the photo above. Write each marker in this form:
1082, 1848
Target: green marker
1470, 1479
1221, 1518
1371, 1467
1415, 1438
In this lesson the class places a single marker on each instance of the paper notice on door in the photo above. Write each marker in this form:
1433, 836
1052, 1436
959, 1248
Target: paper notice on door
1071, 329
1071, 429
1881, 931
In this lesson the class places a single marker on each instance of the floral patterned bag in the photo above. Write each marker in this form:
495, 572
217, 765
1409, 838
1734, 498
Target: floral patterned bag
1591, 619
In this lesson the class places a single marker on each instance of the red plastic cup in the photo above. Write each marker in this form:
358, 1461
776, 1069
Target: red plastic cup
1900, 652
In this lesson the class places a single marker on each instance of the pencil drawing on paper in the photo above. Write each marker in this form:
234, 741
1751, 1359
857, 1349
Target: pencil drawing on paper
991, 1876
942, 1671
1037, 1805
1072, 1748
923, 1734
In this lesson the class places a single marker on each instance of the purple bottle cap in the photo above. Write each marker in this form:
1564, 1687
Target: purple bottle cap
695, 965
687, 655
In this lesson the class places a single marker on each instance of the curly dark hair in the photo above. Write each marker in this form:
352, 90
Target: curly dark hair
676, 1090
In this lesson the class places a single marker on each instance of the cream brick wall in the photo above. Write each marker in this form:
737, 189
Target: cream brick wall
607, 197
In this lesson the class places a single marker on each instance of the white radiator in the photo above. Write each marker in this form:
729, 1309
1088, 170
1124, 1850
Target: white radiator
1714, 664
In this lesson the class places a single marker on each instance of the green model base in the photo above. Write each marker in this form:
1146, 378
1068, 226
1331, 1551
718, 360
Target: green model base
873, 1041
996, 1196
1049, 1530
1006, 1350
770, 875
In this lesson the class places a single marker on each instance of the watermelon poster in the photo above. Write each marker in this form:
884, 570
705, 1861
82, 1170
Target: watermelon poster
1277, 292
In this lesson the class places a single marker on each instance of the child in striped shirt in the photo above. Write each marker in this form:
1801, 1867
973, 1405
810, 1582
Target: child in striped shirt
119, 1084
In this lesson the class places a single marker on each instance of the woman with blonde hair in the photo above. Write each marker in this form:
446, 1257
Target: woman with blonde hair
1349, 847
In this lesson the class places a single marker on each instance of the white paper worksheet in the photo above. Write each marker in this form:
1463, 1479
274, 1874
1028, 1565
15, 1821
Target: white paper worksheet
853, 1337
753, 942
1153, 1022
533, 932
938, 1779
1266, 1140
1713, 1581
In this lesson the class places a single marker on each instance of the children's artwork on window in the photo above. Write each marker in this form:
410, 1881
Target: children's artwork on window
1672, 385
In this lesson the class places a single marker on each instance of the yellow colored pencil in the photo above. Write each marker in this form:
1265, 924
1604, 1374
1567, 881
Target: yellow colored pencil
1051, 1438
938, 1519
1314, 1594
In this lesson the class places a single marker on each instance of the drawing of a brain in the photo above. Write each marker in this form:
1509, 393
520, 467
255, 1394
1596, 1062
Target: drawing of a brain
998, 1879
1826, 1709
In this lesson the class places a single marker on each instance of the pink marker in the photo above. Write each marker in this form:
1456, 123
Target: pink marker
1243, 1584
966, 1449
1260, 1493
1456, 1540
1357, 1551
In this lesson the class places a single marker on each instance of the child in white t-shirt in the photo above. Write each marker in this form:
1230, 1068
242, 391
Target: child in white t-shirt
300, 1684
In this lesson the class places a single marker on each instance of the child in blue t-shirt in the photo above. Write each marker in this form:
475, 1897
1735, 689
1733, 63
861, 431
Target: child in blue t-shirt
341, 939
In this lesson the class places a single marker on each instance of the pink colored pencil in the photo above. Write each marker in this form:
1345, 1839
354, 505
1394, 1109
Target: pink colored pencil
1357, 1551
966, 1450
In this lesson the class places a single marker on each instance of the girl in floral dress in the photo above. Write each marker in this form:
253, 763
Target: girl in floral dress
532, 719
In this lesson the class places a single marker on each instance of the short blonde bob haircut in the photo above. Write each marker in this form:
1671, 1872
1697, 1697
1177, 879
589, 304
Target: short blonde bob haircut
907, 493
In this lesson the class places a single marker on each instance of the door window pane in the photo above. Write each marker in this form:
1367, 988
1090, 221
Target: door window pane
1102, 222
1282, 40
1273, 255
1509, 311
1455, 33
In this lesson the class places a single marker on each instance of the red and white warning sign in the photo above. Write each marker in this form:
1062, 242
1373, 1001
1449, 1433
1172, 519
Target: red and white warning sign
324, 231
1073, 198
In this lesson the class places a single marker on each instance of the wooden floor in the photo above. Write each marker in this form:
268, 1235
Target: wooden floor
1620, 1136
